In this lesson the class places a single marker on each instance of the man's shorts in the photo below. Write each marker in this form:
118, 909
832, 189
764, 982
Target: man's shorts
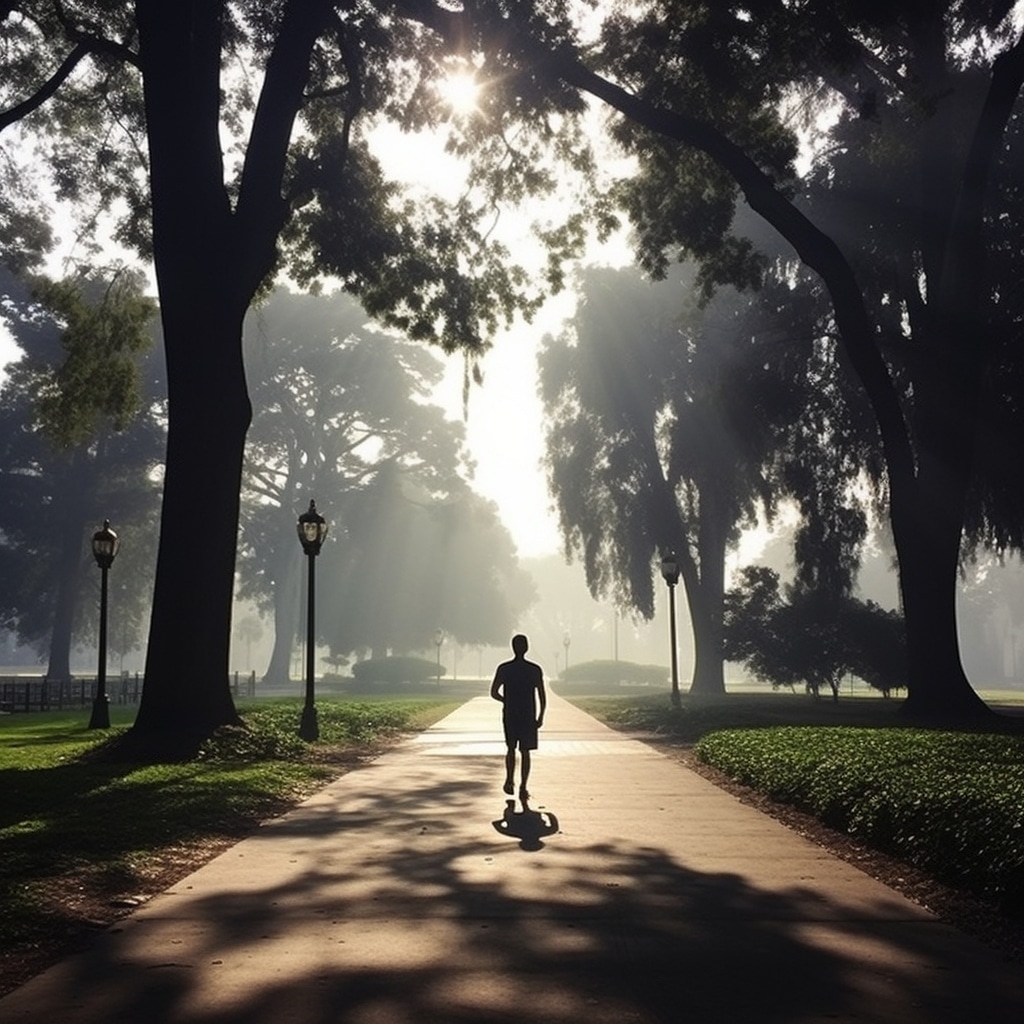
521, 733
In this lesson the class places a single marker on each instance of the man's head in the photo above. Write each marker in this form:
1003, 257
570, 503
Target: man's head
520, 645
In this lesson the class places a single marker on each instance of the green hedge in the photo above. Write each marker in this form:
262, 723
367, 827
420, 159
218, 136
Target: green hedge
613, 673
395, 670
951, 803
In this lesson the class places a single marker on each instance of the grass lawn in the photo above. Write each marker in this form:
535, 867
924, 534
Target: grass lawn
82, 840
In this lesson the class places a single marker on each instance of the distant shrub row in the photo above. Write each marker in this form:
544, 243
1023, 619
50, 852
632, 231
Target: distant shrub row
392, 671
950, 803
613, 673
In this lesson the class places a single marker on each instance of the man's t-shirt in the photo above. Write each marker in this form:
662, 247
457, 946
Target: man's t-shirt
520, 680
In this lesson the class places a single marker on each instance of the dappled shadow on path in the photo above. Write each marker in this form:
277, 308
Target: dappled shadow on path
412, 905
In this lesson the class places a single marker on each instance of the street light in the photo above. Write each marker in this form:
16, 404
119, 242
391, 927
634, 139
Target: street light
104, 547
670, 573
312, 529
566, 640
438, 640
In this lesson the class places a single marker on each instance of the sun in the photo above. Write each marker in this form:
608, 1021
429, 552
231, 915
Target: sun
460, 92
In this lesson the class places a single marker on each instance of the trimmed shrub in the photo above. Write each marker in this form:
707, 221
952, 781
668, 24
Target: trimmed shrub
949, 802
392, 671
614, 673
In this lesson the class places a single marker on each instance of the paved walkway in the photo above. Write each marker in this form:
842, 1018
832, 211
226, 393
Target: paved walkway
631, 890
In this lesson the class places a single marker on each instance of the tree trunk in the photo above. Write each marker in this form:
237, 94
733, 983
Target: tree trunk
187, 692
210, 258
202, 304
69, 571
68, 583
286, 620
707, 605
927, 512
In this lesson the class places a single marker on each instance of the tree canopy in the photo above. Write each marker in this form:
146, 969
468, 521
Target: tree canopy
341, 407
82, 441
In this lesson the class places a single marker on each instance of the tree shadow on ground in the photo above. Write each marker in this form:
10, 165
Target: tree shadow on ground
410, 905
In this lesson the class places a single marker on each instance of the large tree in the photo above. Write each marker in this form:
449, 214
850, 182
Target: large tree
412, 561
672, 424
334, 400
231, 133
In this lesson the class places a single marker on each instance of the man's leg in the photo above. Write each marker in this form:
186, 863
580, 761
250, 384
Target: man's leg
510, 770
523, 792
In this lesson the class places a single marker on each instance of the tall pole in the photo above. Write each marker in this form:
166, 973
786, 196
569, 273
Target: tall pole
312, 529
309, 726
670, 574
438, 640
672, 634
100, 718
105, 544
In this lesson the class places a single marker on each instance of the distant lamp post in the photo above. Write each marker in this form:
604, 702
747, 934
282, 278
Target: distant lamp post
438, 640
670, 573
566, 640
312, 528
104, 547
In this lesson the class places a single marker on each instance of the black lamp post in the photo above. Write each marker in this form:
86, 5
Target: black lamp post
670, 573
438, 640
104, 547
312, 528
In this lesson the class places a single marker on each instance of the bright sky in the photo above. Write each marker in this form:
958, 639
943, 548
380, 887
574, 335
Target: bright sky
504, 430
504, 427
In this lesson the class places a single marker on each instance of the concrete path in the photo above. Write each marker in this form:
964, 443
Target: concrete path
630, 890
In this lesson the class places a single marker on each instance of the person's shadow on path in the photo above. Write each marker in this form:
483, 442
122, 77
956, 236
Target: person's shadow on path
527, 826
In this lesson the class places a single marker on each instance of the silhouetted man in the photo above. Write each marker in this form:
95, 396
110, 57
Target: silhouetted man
519, 685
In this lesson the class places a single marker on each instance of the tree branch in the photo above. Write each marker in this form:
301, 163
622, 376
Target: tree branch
46, 90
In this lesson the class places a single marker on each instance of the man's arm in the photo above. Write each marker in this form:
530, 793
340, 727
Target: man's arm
496, 687
542, 697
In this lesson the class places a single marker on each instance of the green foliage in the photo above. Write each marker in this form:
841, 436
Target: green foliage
104, 325
81, 437
395, 670
950, 802
811, 638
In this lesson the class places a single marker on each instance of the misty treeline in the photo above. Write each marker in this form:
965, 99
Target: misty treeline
675, 422
879, 140
880, 328
341, 416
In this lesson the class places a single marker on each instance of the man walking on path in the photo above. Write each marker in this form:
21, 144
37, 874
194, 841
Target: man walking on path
519, 685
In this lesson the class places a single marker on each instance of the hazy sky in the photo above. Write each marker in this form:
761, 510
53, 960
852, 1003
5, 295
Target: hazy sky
504, 430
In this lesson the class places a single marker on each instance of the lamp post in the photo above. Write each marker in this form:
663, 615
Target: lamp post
670, 573
312, 529
566, 640
438, 640
104, 547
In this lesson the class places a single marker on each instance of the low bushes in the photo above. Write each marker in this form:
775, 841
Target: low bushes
951, 803
608, 673
394, 671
